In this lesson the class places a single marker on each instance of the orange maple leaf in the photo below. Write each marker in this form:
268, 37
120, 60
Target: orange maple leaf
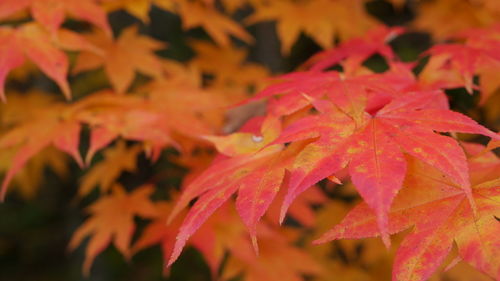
223, 63
277, 260
51, 13
55, 125
440, 213
193, 14
322, 20
31, 41
112, 221
445, 18
122, 57
224, 233
104, 174
454, 65
216, 24
30, 177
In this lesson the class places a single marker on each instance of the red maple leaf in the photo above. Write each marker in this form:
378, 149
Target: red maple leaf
441, 213
374, 146
360, 122
352, 53
31, 41
51, 13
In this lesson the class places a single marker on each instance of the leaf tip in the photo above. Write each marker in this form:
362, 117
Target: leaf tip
79, 160
255, 244
179, 244
64, 85
321, 240
173, 214
332, 234
89, 156
382, 221
386, 240
5, 184
3, 98
283, 211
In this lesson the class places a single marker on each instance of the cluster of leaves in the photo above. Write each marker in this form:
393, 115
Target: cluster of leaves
388, 136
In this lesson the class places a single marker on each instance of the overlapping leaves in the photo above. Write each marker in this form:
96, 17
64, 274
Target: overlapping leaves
392, 133
440, 213
363, 123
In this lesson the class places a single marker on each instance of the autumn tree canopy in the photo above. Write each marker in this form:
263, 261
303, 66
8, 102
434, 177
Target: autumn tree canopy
282, 140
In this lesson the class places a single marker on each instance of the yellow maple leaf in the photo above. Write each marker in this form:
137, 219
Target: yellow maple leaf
29, 179
322, 20
229, 69
122, 57
138, 8
447, 17
201, 13
104, 174
112, 221
216, 24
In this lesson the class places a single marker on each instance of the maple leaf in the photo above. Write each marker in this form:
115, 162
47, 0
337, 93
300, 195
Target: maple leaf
111, 116
314, 18
462, 58
171, 94
30, 41
215, 189
437, 74
300, 210
441, 213
55, 125
105, 173
247, 141
373, 148
444, 18
158, 118
213, 239
42, 48
347, 260
193, 14
350, 93
31, 177
216, 24
277, 260
122, 57
224, 234
158, 232
51, 13
353, 93
138, 8
454, 65
223, 63
342, 133
226, 176
357, 50
112, 221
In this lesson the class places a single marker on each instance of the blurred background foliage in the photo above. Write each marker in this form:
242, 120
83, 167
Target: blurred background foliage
36, 224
